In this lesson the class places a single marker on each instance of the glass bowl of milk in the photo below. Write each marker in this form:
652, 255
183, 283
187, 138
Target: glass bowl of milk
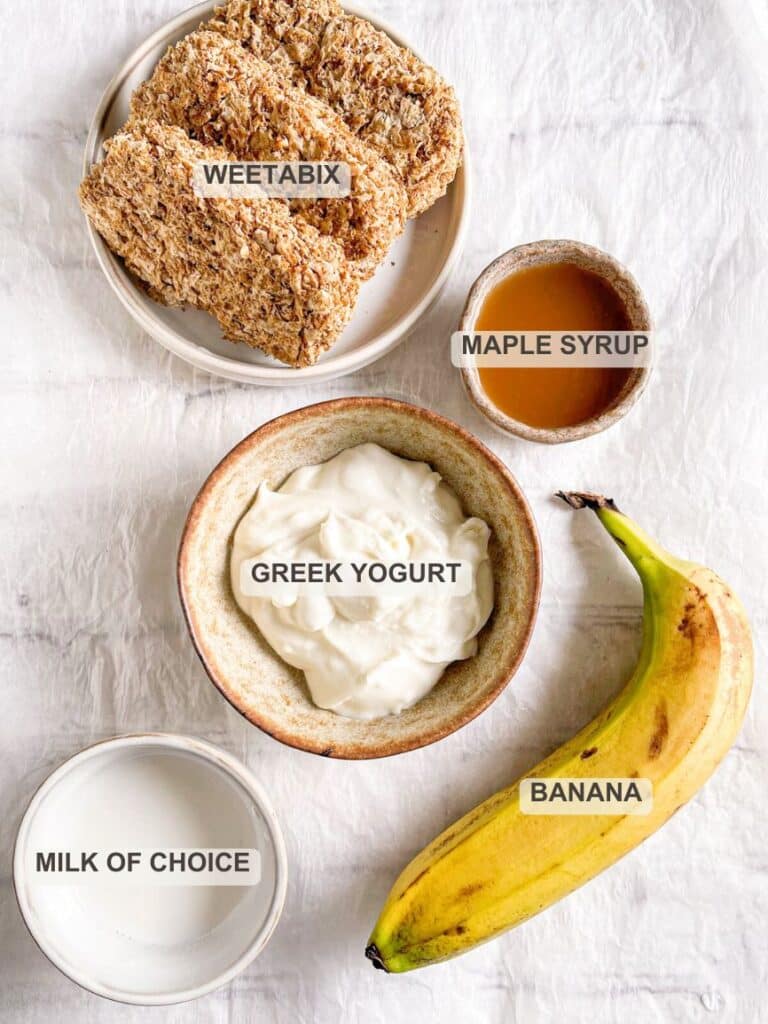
150, 869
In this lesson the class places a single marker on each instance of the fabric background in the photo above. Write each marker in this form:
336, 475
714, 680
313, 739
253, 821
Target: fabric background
636, 125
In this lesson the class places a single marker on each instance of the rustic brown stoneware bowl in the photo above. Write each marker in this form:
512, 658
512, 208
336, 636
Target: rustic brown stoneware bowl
241, 664
589, 258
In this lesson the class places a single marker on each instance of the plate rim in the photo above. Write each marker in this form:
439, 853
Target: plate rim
229, 367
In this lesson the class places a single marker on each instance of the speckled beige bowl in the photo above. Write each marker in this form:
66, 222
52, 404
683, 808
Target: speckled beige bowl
589, 258
240, 663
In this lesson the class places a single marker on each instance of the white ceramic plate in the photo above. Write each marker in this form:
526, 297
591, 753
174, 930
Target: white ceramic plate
404, 287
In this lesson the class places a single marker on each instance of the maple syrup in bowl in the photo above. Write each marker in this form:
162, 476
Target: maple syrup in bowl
553, 286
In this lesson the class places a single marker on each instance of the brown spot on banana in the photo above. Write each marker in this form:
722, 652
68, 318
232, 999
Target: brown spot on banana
458, 930
661, 731
589, 752
415, 881
685, 626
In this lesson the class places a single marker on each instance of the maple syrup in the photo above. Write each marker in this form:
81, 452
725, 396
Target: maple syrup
553, 297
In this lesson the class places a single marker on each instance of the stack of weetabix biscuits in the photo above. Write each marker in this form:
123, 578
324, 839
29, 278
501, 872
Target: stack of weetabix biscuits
270, 80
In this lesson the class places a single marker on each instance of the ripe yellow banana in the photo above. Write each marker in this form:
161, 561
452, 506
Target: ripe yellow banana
672, 723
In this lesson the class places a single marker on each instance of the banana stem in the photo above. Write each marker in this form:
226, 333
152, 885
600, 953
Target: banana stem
636, 544
652, 564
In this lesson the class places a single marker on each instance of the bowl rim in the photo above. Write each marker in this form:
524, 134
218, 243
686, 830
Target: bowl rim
505, 670
209, 753
230, 367
552, 250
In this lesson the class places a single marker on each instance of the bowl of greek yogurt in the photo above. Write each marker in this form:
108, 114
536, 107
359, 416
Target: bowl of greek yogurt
360, 577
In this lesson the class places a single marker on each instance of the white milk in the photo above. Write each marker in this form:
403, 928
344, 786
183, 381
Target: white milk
146, 938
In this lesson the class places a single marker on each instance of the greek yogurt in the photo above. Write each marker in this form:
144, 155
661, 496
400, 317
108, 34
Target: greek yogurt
366, 656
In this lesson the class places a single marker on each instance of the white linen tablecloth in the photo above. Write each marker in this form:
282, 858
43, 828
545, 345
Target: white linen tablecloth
636, 125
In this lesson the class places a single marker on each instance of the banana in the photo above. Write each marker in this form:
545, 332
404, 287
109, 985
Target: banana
672, 723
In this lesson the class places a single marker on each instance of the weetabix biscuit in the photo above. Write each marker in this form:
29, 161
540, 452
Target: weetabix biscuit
286, 33
222, 95
386, 95
271, 279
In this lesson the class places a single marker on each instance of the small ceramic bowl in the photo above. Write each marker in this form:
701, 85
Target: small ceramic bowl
589, 258
148, 942
254, 679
